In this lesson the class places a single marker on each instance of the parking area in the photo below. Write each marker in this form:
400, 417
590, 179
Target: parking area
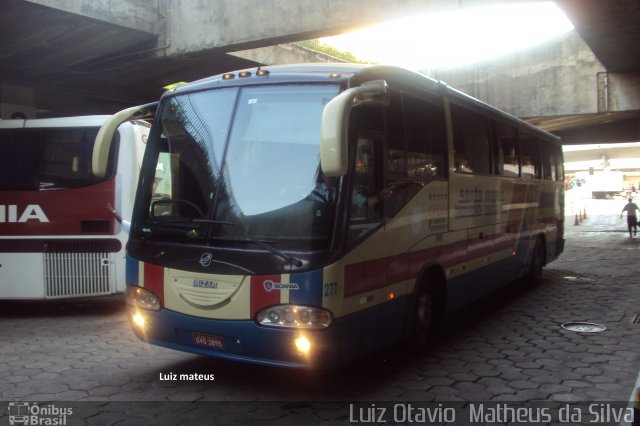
509, 347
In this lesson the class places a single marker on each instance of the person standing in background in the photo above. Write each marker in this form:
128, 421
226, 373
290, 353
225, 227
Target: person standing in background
632, 219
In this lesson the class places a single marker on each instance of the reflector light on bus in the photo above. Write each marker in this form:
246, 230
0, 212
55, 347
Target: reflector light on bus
173, 86
294, 316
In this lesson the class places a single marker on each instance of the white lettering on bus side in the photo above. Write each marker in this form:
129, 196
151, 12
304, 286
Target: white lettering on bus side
9, 214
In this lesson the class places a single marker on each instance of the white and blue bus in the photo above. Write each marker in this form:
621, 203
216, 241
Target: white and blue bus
307, 215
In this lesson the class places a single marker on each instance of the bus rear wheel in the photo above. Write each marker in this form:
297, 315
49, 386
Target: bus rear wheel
537, 262
425, 319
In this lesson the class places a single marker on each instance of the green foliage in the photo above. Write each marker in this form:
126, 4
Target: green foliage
331, 51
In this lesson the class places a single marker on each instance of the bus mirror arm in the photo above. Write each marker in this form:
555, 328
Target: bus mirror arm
334, 128
105, 134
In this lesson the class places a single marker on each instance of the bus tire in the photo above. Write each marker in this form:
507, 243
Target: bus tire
427, 312
537, 262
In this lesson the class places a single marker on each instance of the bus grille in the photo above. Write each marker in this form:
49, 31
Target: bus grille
69, 274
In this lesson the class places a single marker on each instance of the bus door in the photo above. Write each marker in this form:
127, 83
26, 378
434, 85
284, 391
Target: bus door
377, 268
368, 258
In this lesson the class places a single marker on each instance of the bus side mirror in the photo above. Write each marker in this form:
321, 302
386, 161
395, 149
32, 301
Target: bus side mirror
334, 129
104, 137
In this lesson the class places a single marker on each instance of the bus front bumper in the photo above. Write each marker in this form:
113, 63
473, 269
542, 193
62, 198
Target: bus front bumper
242, 340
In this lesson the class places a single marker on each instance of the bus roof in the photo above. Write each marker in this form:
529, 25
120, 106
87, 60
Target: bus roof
79, 121
353, 75
58, 122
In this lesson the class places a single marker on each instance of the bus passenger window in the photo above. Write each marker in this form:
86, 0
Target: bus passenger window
396, 149
366, 204
426, 138
507, 151
530, 158
556, 164
546, 163
550, 162
470, 141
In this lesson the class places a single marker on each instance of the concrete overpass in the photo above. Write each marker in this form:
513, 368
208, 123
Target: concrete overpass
560, 86
62, 57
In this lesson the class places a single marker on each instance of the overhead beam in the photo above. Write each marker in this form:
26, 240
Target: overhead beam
197, 25
141, 15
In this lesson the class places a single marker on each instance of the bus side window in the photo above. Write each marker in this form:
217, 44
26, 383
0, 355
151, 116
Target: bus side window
547, 169
366, 204
426, 138
396, 149
557, 163
470, 141
530, 157
551, 162
506, 151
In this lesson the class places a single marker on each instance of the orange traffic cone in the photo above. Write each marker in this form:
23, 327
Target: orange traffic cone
577, 222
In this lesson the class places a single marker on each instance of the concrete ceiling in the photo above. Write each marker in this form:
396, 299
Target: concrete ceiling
611, 28
80, 65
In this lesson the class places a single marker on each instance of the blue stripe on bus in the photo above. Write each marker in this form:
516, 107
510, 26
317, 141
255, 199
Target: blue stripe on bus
132, 270
348, 337
310, 291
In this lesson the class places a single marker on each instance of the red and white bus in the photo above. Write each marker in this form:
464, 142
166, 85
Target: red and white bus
318, 212
58, 235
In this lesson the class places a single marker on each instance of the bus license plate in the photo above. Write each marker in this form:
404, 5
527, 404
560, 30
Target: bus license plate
208, 340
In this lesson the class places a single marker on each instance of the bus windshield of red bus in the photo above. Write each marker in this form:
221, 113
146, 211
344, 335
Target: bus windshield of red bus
242, 164
39, 159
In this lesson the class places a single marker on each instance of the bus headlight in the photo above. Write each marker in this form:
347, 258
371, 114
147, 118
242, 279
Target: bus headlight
295, 316
138, 297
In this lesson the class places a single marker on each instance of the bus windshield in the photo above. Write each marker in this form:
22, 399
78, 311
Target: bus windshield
242, 164
38, 159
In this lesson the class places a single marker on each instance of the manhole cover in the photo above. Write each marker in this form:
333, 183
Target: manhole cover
584, 327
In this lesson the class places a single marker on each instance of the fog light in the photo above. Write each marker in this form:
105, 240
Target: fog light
138, 320
303, 345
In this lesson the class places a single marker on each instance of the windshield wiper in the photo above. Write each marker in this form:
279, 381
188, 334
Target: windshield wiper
176, 224
291, 259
